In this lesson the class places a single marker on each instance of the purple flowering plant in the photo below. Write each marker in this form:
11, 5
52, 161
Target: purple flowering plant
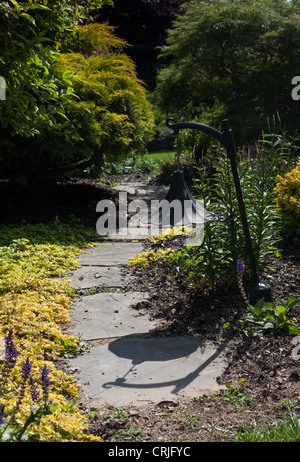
9, 431
240, 267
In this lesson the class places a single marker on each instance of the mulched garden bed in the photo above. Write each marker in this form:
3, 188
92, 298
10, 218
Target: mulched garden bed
263, 369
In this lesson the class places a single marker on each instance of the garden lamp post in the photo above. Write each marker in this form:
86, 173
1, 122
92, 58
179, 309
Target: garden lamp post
255, 290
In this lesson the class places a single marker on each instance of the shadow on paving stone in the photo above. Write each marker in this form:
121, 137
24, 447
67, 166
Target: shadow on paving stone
149, 370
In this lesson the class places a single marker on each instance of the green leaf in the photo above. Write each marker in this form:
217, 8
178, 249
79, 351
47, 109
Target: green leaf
16, 4
45, 95
37, 7
280, 301
269, 325
28, 17
67, 74
292, 329
280, 309
51, 108
292, 301
260, 303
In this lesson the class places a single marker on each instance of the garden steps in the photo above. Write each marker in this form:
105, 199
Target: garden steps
128, 364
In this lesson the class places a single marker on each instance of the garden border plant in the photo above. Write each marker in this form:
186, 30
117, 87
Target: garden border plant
33, 308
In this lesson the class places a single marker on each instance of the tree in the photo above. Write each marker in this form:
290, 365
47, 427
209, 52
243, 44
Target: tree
110, 115
233, 59
143, 24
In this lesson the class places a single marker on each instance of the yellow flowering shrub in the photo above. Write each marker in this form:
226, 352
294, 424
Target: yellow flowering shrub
144, 258
35, 307
170, 234
288, 202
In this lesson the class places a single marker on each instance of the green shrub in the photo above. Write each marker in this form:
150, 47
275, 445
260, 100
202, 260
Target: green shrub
132, 164
186, 164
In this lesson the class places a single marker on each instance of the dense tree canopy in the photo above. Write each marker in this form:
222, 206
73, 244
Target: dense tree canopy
233, 59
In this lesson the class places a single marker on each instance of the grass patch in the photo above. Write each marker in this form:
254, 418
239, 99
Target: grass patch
158, 158
161, 156
284, 430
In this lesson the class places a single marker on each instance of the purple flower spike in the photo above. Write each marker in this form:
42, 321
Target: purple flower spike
240, 267
26, 369
34, 391
45, 377
11, 352
2, 414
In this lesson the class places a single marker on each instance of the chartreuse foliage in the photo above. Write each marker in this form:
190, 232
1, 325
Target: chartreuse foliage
145, 258
31, 34
111, 116
288, 202
34, 306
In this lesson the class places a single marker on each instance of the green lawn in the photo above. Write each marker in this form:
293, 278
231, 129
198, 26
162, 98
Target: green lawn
161, 156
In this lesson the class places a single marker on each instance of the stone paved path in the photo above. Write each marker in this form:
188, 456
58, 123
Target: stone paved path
125, 365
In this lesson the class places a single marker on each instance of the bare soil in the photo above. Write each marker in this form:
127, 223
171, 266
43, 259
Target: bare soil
263, 373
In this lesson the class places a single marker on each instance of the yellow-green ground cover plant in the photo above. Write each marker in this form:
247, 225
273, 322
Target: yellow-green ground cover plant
37, 399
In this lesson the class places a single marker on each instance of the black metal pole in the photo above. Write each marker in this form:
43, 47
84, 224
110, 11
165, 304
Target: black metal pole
255, 290
231, 151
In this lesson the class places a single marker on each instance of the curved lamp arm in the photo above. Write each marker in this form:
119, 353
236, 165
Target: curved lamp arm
195, 125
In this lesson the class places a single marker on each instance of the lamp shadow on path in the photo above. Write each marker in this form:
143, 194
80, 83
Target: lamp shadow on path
139, 351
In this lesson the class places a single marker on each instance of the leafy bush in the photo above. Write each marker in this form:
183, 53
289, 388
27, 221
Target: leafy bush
132, 164
31, 34
288, 202
106, 113
113, 116
269, 316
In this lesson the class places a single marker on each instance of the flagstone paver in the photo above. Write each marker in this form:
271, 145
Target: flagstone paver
98, 276
110, 254
106, 315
